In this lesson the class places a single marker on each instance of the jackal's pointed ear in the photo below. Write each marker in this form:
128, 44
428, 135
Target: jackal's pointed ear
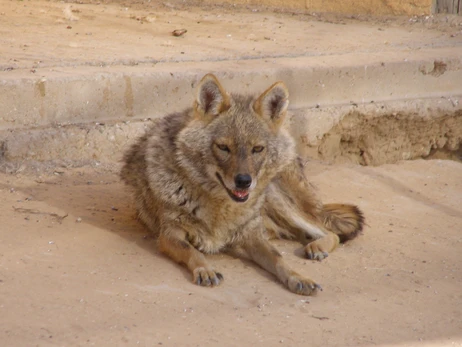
272, 104
211, 98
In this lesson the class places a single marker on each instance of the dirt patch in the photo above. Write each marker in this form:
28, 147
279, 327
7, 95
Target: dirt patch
439, 68
368, 140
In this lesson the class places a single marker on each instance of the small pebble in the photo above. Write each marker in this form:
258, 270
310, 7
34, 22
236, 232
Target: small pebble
179, 32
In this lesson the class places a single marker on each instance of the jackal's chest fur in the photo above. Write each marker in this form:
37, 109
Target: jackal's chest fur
214, 225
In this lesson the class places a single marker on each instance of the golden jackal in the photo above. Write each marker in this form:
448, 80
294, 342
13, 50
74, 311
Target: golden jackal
224, 176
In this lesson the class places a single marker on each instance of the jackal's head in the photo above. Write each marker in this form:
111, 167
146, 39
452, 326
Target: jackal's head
236, 142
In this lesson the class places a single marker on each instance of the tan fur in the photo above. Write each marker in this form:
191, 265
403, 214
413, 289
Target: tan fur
223, 176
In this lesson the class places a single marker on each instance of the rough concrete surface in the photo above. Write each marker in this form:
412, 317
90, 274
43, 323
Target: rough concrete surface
79, 81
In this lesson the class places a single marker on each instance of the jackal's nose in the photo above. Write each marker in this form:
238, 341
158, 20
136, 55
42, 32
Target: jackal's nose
243, 181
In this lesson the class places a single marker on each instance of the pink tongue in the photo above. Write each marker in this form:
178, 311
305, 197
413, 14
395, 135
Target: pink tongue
240, 193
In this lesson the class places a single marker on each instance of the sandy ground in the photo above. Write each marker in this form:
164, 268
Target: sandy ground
77, 269
42, 36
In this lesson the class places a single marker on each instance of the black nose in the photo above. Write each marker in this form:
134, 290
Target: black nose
243, 181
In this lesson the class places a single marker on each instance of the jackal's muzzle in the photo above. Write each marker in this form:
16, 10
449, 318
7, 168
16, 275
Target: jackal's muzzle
242, 184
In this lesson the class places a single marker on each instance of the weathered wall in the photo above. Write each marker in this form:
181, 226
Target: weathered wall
375, 7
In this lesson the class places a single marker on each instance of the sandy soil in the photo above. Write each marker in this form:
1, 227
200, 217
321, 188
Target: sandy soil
43, 35
77, 269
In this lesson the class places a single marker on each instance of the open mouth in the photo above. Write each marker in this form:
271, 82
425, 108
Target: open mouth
238, 195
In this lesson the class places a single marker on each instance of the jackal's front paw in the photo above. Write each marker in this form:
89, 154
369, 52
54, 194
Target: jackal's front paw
303, 286
207, 277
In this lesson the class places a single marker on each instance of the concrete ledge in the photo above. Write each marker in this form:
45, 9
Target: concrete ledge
79, 95
368, 134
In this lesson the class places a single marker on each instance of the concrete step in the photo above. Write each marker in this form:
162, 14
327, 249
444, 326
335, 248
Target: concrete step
80, 95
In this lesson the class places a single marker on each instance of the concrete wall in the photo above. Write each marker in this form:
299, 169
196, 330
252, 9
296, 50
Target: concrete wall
374, 7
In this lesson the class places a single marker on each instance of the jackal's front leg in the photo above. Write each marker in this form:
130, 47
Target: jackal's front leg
173, 243
262, 252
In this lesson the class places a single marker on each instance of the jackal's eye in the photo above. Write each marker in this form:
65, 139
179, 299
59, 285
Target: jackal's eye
258, 149
223, 148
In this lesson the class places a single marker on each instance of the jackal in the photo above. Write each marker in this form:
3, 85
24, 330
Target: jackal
223, 176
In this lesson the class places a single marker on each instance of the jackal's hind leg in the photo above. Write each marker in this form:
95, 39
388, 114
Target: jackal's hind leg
283, 218
344, 223
320, 248
275, 231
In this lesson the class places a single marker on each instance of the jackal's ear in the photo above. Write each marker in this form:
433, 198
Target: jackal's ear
272, 104
211, 98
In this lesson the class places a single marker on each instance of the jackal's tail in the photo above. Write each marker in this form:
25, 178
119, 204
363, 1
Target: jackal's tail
345, 220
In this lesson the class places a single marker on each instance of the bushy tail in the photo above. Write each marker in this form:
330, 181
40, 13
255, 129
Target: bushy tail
345, 220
